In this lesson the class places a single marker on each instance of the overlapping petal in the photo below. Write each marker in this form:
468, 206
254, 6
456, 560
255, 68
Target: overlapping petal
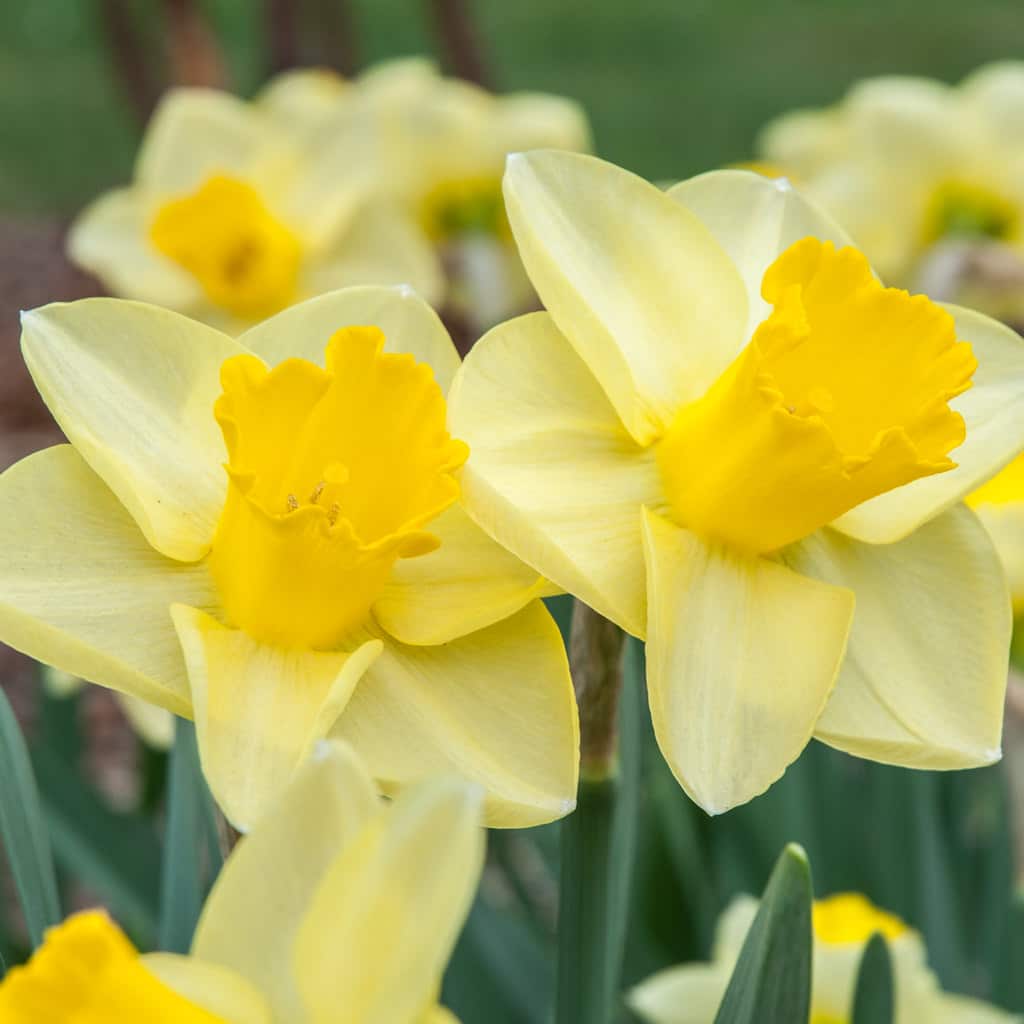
495, 707
992, 408
408, 323
259, 709
253, 914
82, 589
230, 997
754, 219
468, 583
925, 671
742, 654
377, 900
133, 386
552, 473
637, 284
689, 994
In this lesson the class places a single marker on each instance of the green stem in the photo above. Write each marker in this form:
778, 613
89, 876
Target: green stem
588, 966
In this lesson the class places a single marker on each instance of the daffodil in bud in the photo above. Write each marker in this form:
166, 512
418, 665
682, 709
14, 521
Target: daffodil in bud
231, 218
907, 163
727, 436
842, 926
337, 907
266, 535
437, 147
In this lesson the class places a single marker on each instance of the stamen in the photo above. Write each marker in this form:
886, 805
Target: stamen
333, 512
317, 491
293, 503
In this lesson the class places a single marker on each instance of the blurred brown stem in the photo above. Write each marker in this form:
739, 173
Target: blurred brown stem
460, 40
283, 34
339, 42
595, 656
195, 55
138, 75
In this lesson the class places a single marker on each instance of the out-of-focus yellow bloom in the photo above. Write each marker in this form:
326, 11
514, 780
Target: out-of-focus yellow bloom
231, 218
336, 907
271, 541
905, 162
437, 147
843, 924
1000, 506
723, 432
154, 724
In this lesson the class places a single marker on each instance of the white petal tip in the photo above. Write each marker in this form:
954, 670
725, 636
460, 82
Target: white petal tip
783, 184
567, 806
511, 159
321, 751
407, 291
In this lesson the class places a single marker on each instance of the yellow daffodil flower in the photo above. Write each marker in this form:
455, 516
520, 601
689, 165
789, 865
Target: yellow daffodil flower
153, 724
438, 146
842, 926
722, 435
903, 163
336, 908
231, 219
265, 535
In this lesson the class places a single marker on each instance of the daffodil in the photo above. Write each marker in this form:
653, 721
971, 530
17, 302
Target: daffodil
842, 926
438, 146
999, 504
904, 163
726, 435
265, 535
336, 909
230, 219
153, 724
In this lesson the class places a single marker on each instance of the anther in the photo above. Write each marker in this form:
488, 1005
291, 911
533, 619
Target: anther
293, 502
317, 491
332, 513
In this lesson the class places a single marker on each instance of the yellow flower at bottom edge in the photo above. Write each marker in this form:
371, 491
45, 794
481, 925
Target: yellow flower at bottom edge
722, 435
232, 218
272, 543
336, 909
903, 163
843, 924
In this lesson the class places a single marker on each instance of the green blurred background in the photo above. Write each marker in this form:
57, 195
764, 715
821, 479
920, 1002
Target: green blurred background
673, 86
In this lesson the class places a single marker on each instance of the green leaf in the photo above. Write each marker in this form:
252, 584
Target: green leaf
771, 983
873, 997
115, 856
23, 829
187, 870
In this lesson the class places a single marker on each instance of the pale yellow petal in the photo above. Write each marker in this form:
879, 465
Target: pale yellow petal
468, 583
552, 473
689, 994
384, 920
925, 672
439, 1015
81, 589
1005, 525
495, 707
110, 238
993, 410
262, 895
731, 929
300, 97
754, 219
218, 990
742, 654
538, 120
408, 323
154, 724
133, 386
996, 93
802, 142
380, 245
953, 1009
259, 709
194, 133
636, 283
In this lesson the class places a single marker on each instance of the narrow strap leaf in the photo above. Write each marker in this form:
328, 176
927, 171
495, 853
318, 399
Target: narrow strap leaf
23, 830
873, 996
771, 983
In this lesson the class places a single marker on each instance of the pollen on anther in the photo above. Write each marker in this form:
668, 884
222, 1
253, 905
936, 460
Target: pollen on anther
317, 491
293, 502
333, 512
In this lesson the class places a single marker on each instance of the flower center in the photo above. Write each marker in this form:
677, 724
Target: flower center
333, 473
465, 206
961, 209
87, 970
849, 919
246, 260
841, 394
